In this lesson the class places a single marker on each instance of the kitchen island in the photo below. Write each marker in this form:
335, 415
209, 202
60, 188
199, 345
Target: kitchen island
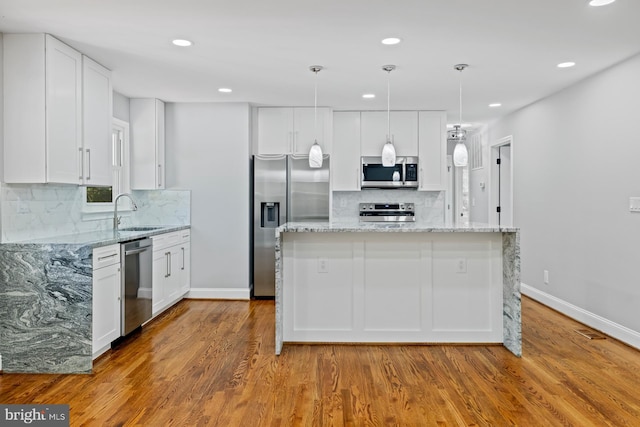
397, 283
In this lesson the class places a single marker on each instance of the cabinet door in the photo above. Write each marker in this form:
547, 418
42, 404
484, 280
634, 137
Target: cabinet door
147, 144
404, 128
63, 112
160, 276
275, 130
173, 283
161, 169
24, 108
345, 162
185, 267
97, 112
306, 129
433, 151
106, 307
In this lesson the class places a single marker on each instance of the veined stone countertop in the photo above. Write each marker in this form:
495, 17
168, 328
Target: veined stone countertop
46, 300
387, 227
102, 238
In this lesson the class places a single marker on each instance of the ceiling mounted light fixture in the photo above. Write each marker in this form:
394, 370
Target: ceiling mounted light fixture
495, 104
459, 135
225, 90
369, 95
182, 42
391, 40
315, 152
600, 2
388, 150
566, 64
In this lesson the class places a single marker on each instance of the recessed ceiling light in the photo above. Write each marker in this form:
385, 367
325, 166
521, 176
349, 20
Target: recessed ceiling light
225, 90
495, 104
182, 42
600, 2
566, 64
391, 40
369, 95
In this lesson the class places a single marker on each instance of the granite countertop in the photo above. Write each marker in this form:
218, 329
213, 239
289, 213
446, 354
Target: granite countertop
105, 237
387, 227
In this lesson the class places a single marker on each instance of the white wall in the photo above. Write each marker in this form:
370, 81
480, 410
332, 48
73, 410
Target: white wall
577, 162
207, 147
121, 107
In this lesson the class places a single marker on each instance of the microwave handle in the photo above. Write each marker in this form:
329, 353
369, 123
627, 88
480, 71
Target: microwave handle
404, 171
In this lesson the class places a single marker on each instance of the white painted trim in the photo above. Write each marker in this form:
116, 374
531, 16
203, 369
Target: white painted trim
492, 184
619, 332
218, 293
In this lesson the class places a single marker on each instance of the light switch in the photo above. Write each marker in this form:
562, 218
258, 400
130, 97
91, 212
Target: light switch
634, 204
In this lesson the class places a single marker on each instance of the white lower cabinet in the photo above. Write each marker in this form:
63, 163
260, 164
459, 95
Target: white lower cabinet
171, 271
106, 298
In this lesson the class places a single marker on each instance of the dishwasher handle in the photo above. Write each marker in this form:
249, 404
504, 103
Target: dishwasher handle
137, 251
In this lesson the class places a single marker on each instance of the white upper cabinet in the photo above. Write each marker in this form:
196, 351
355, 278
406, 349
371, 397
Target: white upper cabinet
97, 100
404, 128
57, 108
287, 130
345, 161
42, 110
147, 144
432, 151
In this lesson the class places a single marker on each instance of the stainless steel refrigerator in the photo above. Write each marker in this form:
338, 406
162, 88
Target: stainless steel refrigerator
285, 189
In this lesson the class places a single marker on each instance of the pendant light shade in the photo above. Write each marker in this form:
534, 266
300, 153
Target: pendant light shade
458, 135
460, 153
388, 149
315, 152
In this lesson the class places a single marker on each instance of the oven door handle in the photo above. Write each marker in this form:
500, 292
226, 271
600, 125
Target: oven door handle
136, 251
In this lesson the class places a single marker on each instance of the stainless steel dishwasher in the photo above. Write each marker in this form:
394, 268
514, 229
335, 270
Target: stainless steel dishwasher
136, 295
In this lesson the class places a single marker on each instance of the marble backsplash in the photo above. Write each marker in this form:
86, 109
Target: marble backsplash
31, 211
429, 205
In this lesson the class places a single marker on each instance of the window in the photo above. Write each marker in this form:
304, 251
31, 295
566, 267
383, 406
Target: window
101, 198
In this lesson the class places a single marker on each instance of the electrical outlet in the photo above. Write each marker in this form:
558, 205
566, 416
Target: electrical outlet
323, 265
461, 265
546, 277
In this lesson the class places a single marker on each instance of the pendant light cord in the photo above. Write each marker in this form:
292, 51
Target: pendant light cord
389, 105
460, 116
315, 109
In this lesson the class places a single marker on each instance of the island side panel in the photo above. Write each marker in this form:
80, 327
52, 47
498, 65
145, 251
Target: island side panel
278, 291
511, 293
45, 308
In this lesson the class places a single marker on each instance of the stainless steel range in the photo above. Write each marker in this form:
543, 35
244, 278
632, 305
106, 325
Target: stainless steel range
387, 212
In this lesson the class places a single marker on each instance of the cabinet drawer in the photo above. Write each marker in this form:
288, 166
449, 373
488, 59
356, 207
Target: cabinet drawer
185, 235
106, 256
166, 240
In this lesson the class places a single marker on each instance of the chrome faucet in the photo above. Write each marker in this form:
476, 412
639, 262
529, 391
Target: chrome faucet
116, 218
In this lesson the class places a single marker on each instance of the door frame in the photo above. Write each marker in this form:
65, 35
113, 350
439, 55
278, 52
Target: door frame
494, 182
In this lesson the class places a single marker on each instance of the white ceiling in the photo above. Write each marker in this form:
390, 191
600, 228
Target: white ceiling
263, 48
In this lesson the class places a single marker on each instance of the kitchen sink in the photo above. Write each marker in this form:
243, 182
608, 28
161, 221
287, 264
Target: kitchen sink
140, 228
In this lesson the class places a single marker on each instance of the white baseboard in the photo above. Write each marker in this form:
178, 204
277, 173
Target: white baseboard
218, 293
619, 332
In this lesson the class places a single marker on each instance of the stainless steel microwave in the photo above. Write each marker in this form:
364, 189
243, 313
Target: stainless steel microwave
404, 174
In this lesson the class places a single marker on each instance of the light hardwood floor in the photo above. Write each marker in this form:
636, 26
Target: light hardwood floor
212, 363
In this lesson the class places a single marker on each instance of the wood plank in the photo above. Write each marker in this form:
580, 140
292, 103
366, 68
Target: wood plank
212, 363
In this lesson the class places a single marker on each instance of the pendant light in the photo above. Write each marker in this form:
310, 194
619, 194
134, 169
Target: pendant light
315, 152
460, 153
388, 150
